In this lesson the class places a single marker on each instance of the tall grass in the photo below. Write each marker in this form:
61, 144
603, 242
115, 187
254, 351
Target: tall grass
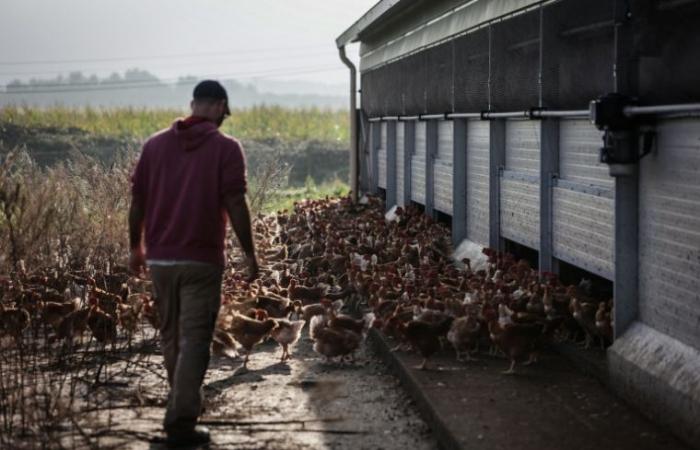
257, 123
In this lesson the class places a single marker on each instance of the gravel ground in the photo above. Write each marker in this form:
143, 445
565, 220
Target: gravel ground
302, 403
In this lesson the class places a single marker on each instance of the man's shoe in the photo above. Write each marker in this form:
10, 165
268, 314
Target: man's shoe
198, 436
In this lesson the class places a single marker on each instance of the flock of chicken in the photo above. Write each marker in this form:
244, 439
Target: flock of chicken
66, 305
400, 269
317, 259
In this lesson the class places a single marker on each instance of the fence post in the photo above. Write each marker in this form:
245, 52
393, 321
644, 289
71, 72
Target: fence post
431, 143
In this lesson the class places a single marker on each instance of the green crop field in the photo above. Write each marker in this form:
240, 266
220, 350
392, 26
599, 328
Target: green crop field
64, 173
306, 144
257, 123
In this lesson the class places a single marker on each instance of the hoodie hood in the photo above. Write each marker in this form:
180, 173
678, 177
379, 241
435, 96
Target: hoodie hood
193, 132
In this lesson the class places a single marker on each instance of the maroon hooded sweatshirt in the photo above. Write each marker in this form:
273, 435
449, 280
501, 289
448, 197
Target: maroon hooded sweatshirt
181, 178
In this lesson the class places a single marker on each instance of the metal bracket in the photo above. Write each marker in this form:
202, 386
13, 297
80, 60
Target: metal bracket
535, 112
621, 147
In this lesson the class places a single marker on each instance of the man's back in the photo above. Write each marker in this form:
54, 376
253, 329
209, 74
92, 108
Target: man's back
181, 178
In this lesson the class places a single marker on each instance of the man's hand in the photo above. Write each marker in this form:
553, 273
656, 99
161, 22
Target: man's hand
253, 269
137, 261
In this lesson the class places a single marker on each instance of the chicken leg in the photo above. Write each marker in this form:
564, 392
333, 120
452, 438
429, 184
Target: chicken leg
423, 365
511, 370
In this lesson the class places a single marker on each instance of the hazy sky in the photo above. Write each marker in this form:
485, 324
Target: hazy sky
278, 39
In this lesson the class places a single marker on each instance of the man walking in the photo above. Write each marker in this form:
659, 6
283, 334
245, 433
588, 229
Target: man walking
187, 178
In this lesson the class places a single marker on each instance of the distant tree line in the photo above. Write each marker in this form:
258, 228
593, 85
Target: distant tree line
140, 88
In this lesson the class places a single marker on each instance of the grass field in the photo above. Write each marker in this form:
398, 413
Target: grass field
66, 186
259, 123
310, 143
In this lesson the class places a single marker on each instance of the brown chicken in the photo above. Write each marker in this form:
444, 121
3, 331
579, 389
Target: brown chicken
603, 324
360, 326
305, 294
13, 321
464, 336
425, 337
330, 342
276, 307
249, 332
316, 309
53, 313
223, 344
129, 317
73, 325
150, 312
516, 340
585, 313
286, 334
102, 325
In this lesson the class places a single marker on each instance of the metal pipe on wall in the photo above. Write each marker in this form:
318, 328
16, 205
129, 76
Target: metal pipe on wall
354, 150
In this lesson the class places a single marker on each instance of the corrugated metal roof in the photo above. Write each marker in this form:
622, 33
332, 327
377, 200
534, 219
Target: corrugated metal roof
428, 25
370, 17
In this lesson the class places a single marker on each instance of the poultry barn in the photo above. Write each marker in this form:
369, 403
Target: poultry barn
563, 132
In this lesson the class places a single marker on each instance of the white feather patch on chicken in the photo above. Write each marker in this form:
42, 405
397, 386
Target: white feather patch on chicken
472, 251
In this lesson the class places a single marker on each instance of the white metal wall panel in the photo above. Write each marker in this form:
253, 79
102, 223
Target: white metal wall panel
582, 223
381, 157
583, 230
400, 146
418, 165
442, 169
520, 200
669, 232
478, 181
523, 146
579, 150
520, 212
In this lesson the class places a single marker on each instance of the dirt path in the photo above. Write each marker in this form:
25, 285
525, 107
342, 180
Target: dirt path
296, 405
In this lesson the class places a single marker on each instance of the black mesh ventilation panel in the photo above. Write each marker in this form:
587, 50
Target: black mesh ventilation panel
439, 78
668, 50
414, 71
578, 52
371, 95
515, 57
383, 83
393, 89
471, 84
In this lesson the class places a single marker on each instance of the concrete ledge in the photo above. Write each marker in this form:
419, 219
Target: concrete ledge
442, 432
549, 406
661, 376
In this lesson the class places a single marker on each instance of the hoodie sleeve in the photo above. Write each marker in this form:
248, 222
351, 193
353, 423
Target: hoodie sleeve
233, 170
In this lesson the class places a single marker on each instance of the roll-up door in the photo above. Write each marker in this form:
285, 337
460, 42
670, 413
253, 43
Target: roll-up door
520, 187
418, 165
478, 181
582, 201
400, 147
381, 157
669, 232
442, 168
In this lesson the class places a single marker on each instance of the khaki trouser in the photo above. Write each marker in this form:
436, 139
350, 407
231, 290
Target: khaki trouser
188, 297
